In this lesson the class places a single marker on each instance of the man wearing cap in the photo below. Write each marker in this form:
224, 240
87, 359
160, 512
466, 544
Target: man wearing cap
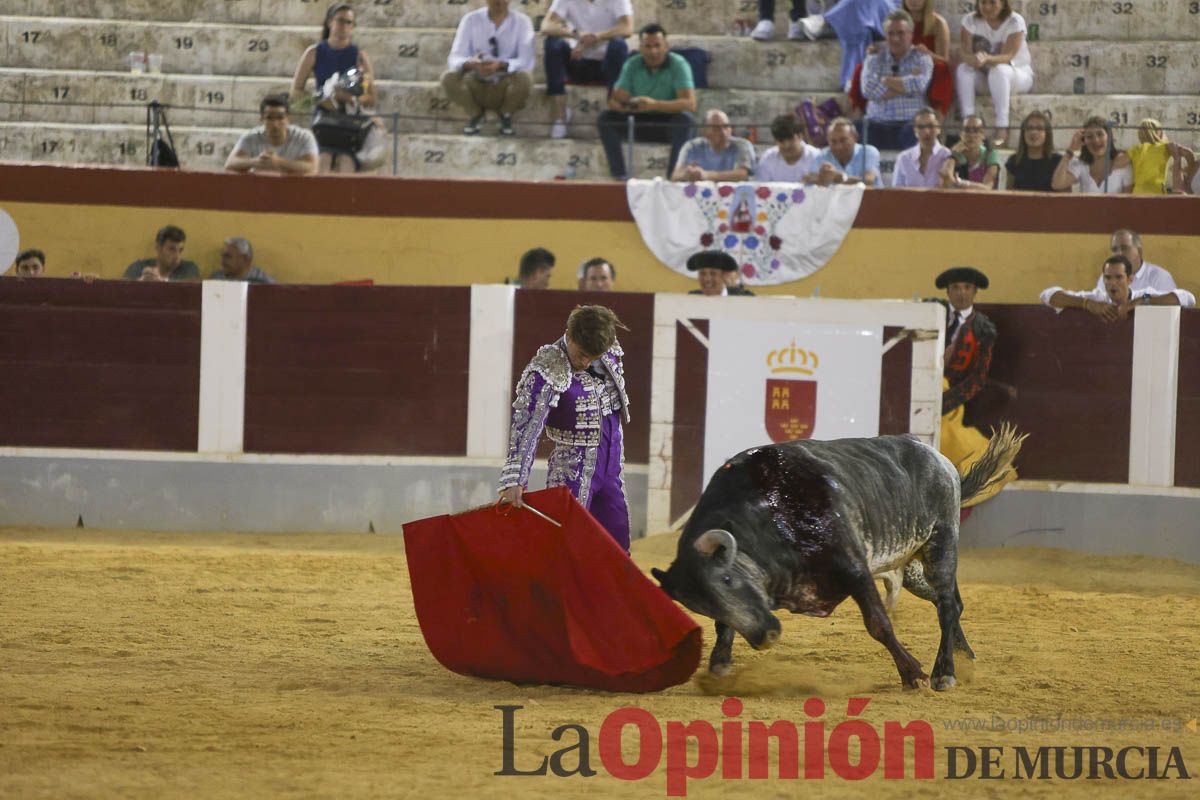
711, 268
969, 336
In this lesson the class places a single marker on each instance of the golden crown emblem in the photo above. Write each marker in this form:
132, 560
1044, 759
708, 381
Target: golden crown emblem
793, 359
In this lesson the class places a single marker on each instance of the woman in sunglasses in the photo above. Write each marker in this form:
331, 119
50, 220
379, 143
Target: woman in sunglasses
974, 164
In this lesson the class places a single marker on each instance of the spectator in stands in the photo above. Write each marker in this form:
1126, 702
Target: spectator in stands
336, 52
931, 35
30, 264
535, 268
792, 158
1184, 172
716, 154
894, 81
276, 145
975, 164
168, 263
237, 263
1115, 299
764, 31
491, 65
856, 23
712, 268
1032, 167
597, 275
995, 57
919, 166
1128, 243
656, 89
1151, 156
845, 160
585, 42
1096, 154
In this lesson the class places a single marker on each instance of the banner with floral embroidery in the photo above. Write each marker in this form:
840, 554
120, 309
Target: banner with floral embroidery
778, 232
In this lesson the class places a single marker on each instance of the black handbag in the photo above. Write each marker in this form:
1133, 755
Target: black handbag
337, 131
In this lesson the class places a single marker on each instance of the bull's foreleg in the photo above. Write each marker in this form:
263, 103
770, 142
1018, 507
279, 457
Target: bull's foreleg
721, 660
862, 589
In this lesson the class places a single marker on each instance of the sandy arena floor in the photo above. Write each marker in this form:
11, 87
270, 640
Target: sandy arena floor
188, 665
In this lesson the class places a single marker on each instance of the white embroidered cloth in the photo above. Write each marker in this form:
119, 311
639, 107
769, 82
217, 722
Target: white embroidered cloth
778, 232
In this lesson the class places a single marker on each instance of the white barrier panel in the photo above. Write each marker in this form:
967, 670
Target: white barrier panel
222, 367
1153, 396
490, 378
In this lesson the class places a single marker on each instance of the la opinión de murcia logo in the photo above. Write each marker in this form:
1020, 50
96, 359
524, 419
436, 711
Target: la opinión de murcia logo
742, 750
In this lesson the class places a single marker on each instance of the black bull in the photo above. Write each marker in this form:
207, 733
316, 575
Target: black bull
803, 525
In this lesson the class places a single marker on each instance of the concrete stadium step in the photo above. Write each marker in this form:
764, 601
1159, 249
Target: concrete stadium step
420, 55
232, 101
1130, 20
420, 155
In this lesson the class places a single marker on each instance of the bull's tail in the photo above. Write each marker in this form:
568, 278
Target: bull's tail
993, 466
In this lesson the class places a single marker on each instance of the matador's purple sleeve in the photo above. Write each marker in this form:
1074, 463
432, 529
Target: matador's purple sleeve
531, 405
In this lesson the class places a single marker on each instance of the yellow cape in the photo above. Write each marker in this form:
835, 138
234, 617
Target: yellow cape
964, 446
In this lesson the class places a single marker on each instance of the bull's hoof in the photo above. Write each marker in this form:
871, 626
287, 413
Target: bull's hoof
720, 670
921, 681
943, 682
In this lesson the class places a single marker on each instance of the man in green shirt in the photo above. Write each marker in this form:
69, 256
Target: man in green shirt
657, 91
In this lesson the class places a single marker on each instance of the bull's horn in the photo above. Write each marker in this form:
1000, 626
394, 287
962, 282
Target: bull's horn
710, 541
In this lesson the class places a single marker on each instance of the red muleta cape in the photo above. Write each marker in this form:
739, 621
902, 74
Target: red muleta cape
501, 593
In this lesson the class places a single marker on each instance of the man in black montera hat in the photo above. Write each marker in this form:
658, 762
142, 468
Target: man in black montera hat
711, 268
970, 336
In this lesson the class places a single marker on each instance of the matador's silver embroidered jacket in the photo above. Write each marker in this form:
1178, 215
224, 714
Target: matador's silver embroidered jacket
580, 412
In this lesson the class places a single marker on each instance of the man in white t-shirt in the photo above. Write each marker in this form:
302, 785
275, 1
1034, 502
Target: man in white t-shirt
792, 158
276, 145
585, 43
1116, 298
995, 56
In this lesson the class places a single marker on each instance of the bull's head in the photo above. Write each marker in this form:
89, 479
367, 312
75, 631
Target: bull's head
713, 579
